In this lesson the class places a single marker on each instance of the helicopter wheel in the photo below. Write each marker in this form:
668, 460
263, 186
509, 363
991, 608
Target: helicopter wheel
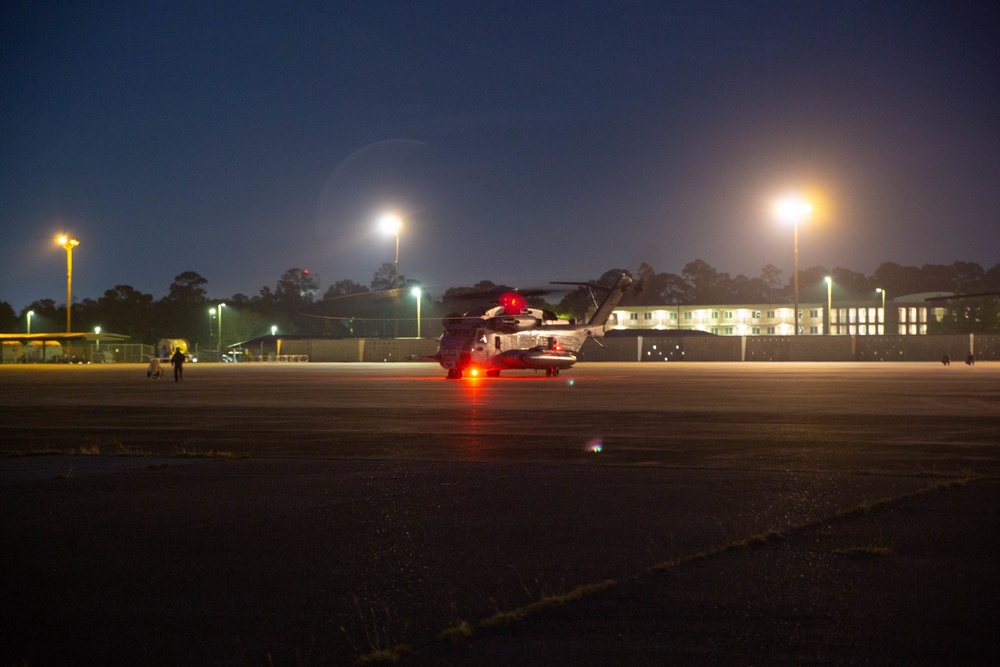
548, 372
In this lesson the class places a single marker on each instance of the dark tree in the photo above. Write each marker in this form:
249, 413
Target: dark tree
8, 319
125, 310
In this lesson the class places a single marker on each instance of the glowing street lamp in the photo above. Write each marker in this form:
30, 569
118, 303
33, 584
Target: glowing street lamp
68, 243
879, 290
829, 303
97, 331
28, 315
793, 210
274, 330
416, 291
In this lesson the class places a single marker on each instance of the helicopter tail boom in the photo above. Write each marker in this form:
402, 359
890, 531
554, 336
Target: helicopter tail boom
611, 299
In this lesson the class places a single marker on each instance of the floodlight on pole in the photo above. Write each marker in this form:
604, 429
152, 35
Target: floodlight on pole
829, 303
28, 315
218, 356
390, 223
881, 291
794, 210
97, 331
68, 243
417, 292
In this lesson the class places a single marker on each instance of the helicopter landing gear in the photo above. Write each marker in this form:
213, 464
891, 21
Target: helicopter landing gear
454, 374
551, 371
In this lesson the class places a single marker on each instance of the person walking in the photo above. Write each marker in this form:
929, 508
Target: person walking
177, 361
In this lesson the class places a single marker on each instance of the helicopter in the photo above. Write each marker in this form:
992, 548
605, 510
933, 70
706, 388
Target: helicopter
513, 336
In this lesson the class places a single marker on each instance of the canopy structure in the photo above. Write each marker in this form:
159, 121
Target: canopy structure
54, 347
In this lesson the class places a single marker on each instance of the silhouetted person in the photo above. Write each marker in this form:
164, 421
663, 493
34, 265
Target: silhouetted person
177, 361
946, 360
971, 359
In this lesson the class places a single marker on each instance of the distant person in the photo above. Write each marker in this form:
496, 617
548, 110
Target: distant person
177, 361
946, 360
971, 359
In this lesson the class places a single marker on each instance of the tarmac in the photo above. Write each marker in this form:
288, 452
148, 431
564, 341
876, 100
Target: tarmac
329, 514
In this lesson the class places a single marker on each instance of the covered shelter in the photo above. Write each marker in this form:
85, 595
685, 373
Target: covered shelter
54, 347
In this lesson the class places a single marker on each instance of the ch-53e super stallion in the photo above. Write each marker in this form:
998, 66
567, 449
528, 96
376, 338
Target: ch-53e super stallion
513, 336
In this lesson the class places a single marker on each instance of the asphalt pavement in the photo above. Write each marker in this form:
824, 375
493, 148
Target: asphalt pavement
619, 514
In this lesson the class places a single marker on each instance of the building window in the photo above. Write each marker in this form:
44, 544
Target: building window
687, 315
647, 316
673, 316
633, 316
770, 314
813, 313
755, 330
728, 331
715, 314
814, 330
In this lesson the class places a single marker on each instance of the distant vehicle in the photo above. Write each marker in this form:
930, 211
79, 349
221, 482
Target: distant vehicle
512, 336
165, 348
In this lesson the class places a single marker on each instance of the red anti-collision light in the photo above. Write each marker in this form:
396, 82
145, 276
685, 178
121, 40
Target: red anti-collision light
513, 303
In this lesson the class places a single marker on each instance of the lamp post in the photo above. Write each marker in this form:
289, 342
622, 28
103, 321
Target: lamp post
391, 224
829, 303
793, 209
416, 291
68, 243
97, 331
881, 291
28, 315
218, 354
211, 325
274, 330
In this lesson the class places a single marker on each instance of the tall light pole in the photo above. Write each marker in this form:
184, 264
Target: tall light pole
391, 224
28, 315
218, 354
211, 324
829, 303
69, 243
881, 291
97, 331
793, 209
416, 291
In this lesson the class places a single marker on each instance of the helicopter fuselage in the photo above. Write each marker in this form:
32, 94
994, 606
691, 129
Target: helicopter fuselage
498, 342
512, 336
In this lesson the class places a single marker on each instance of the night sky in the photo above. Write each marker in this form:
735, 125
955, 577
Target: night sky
519, 141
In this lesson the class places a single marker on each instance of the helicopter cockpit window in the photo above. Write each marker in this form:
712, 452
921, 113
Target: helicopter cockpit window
481, 336
496, 342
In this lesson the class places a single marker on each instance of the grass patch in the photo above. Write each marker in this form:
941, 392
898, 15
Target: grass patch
182, 452
462, 630
381, 650
870, 551
515, 615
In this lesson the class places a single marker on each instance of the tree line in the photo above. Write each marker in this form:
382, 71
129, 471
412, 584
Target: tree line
384, 307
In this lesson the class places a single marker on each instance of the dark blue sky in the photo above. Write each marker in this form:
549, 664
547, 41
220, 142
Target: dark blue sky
519, 141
